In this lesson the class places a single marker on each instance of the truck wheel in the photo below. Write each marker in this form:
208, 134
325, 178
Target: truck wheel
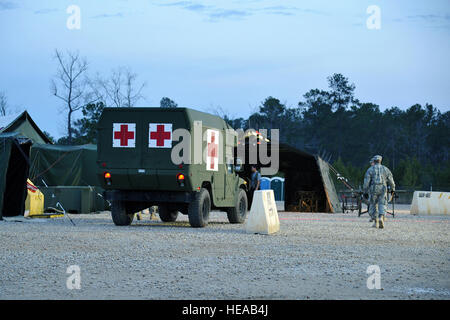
238, 213
119, 214
199, 208
167, 215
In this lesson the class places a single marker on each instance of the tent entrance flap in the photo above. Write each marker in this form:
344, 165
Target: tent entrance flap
14, 189
330, 191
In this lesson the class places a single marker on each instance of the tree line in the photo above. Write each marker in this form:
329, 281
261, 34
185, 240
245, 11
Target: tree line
332, 123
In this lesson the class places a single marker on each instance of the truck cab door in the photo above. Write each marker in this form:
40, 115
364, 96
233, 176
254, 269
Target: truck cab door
231, 178
231, 184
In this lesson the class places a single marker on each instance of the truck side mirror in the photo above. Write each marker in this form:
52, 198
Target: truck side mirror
239, 167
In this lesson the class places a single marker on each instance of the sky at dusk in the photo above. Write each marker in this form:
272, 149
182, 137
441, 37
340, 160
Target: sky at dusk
230, 54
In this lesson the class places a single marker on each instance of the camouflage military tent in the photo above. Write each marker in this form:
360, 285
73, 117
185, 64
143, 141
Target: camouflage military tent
67, 175
14, 165
56, 165
23, 124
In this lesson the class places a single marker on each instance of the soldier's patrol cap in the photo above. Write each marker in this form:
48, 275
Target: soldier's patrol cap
377, 158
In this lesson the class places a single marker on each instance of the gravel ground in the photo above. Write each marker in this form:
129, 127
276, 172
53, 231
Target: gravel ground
314, 256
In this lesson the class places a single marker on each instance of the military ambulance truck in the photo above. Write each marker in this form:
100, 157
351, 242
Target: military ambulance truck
139, 166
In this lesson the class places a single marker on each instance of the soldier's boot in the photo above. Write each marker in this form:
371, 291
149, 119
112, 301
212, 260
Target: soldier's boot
375, 223
381, 222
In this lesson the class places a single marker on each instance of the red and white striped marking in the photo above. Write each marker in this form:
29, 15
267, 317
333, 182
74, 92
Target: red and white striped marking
31, 187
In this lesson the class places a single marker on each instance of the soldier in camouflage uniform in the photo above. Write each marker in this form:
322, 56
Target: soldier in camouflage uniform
376, 180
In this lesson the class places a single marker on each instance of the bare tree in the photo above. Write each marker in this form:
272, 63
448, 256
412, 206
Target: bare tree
132, 94
219, 111
119, 90
3, 104
108, 90
69, 85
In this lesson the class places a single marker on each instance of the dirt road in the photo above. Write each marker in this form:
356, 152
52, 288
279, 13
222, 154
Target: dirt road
314, 256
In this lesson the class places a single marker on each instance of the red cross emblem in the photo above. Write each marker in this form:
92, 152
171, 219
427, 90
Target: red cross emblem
160, 135
124, 135
212, 160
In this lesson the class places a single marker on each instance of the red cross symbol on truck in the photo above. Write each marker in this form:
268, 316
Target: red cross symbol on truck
124, 135
212, 150
160, 135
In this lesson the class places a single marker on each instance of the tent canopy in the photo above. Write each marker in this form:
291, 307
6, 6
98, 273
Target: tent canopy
23, 124
14, 165
308, 184
306, 173
56, 165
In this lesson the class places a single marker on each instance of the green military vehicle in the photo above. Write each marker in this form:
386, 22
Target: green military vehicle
139, 151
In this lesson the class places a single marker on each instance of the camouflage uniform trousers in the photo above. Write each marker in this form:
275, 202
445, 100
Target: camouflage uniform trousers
369, 207
377, 201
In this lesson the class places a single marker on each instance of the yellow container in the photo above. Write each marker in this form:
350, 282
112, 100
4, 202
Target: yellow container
34, 204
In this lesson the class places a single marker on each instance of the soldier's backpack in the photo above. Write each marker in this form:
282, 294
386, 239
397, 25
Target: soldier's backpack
378, 177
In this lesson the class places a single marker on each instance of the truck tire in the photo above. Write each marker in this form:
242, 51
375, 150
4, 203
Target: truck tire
120, 215
199, 209
238, 213
166, 214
